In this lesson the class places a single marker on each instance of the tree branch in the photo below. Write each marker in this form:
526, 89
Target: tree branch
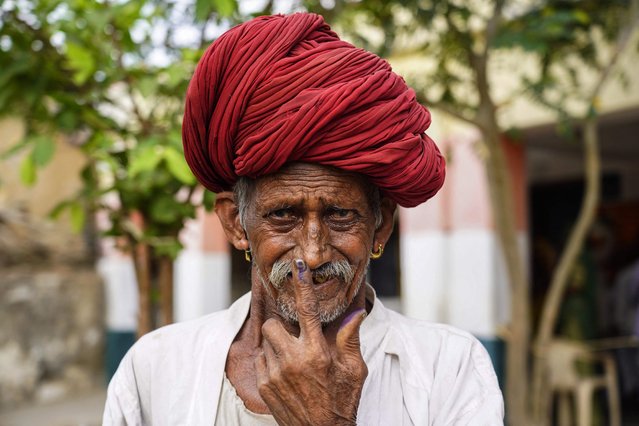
493, 24
448, 109
622, 41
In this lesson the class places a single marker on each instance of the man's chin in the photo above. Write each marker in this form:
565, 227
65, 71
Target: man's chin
327, 314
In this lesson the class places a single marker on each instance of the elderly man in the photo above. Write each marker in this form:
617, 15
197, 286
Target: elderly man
310, 144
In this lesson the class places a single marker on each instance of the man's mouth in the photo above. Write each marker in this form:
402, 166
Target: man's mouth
317, 279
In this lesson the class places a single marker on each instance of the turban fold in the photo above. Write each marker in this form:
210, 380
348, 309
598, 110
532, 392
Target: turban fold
281, 89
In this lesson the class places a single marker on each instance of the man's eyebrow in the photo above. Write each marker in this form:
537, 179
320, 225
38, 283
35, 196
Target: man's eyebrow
269, 204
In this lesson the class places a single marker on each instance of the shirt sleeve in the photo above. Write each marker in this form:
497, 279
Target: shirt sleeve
489, 412
479, 399
123, 402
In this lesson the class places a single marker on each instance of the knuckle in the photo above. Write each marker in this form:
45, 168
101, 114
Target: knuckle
322, 360
356, 370
291, 368
275, 379
263, 388
362, 371
270, 325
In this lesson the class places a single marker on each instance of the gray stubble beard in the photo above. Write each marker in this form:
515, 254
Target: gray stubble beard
280, 272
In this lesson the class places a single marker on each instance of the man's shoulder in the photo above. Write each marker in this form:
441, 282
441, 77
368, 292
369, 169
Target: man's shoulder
440, 349
431, 333
174, 355
183, 333
185, 340
450, 367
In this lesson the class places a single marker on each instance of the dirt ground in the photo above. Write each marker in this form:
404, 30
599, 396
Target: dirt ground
79, 410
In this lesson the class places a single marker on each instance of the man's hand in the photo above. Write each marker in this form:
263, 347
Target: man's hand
302, 380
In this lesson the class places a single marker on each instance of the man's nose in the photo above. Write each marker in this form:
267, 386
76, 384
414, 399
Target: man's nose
313, 243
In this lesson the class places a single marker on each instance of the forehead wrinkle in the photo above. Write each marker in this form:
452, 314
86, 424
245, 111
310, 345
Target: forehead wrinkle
297, 192
282, 197
304, 185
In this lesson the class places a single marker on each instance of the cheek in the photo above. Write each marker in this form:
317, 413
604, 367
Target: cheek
268, 248
354, 245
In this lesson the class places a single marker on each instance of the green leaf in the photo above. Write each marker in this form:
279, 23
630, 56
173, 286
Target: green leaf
167, 247
581, 16
148, 86
225, 8
43, 150
175, 74
77, 217
208, 200
5, 96
145, 160
17, 66
204, 8
163, 209
67, 120
80, 60
58, 209
178, 167
28, 170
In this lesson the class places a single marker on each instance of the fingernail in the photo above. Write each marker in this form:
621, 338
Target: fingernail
301, 267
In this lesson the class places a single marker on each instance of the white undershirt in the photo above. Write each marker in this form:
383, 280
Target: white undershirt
232, 411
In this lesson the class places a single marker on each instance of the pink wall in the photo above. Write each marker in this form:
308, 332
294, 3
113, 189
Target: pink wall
464, 200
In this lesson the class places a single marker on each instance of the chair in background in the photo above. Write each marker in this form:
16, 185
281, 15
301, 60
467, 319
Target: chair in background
564, 379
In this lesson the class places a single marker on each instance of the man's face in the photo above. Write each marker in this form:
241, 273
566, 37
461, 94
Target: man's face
317, 214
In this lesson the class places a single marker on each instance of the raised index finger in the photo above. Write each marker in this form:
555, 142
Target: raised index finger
306, 301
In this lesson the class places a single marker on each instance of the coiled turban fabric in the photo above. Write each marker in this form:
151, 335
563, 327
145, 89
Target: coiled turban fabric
285, 88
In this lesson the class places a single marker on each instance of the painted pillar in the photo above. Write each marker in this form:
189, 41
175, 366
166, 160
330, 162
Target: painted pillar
121, 303
424, 257
201, 283
452, 267
203, 269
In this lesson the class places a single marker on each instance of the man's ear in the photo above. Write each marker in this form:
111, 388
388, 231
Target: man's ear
227, 211
383, 232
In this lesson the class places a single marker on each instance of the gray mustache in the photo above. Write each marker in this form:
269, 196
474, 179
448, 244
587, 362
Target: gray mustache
340, 269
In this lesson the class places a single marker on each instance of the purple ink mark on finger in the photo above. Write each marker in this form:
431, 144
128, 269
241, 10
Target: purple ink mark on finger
352, 315
301, 267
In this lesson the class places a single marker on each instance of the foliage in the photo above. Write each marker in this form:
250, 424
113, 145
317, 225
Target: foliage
557, 35
109, 77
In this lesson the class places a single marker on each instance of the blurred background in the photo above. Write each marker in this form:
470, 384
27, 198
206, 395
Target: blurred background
532, 245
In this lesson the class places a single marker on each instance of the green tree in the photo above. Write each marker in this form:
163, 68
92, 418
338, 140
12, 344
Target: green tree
110, 77
462, 38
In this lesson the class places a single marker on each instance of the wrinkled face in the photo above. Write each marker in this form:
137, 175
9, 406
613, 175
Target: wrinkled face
318, 214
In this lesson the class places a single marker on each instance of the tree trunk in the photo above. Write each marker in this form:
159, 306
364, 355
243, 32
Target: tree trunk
165, 279
502, 203
519, 327
569, 255
142, 261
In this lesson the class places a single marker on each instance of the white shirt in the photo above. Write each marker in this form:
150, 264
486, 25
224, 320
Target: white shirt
419, 373
232, 411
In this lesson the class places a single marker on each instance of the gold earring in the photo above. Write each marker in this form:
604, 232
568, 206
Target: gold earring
247, 255
378, 253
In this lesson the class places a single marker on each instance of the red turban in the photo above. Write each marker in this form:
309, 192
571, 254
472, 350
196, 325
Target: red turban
281, 89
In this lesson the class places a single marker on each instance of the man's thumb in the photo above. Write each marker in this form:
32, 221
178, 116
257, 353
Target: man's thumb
347, 340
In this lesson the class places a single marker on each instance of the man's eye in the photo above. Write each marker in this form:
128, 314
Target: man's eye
285, 213
340, 214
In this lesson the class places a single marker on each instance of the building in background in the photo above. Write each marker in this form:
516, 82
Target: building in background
51, 300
